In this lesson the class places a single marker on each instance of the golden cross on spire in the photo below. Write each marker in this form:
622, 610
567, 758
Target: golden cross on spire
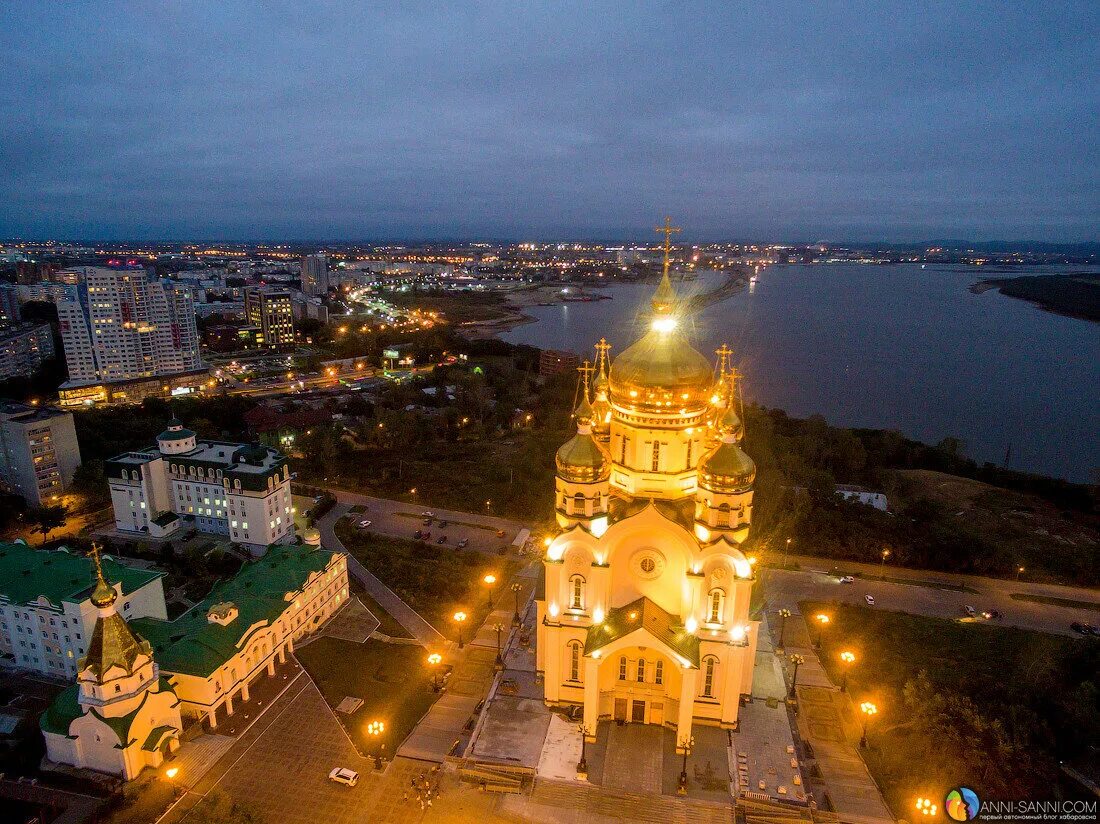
95, 559
602, 348
723, 352
668, 230
586, 369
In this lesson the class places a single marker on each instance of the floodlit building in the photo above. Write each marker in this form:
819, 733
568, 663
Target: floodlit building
46, 613
241, 491
271, 311
124, 325
645, 614
122, 714
38, 451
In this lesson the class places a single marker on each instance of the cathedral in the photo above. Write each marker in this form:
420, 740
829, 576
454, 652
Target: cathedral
645, 614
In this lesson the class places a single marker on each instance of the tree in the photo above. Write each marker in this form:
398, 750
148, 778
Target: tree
46, 519
90, 482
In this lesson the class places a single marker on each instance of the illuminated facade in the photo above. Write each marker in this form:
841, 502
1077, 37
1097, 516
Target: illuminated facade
645, 616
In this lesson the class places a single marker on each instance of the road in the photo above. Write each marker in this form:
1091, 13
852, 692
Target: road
924, 593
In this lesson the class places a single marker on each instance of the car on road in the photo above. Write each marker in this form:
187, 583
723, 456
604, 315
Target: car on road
462, 543
500, 533
364, 523
847, 579
342, 775
427, 522
418, 534
1084, 629
442, 539
427, 514
969, 610
870, 599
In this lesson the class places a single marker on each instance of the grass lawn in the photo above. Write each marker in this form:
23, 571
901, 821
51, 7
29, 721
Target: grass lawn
387, 623
392, 680
435, 580
1039, 688
1058, 602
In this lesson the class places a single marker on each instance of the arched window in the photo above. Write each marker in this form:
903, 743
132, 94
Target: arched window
574, 661
622, 668
578, 502
714, 606
724, 515
659, 672
641, 670
576, 592
710, 669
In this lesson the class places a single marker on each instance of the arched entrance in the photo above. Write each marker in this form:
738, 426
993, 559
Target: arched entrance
639, 685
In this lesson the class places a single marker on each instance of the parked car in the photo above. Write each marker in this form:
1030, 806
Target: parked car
463, 543
364, 524
427, 522
427, 536
342, 775
847, 579
442, 539
1081, 629
969, 610
870, 599
500, 533
427, 514
442, 524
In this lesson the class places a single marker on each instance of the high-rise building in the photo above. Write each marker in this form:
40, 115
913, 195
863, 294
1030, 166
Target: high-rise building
125, 325
10, 311
38, 451
270, 309
315, 274
23, 348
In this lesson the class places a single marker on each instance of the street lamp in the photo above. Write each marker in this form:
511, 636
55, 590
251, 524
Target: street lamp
784, 614
375, 730
868, 709
459, 617
786, 549
516, 620
882, 563
434, 660
582, 765
489, 580
171, 772
925, 806
682, 789
847, 658
823, 621
498, 665
795, 659
1019, 570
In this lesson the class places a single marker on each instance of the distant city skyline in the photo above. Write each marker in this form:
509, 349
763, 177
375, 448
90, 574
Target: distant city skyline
874, 123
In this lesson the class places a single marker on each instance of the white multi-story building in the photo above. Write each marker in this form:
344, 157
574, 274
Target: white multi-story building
38, 451
124, 325
269, 309
241, 491
315, 274
46, 613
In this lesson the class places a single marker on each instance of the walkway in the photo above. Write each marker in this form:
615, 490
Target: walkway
405, 615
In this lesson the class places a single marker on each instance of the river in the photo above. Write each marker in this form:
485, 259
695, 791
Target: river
890, 347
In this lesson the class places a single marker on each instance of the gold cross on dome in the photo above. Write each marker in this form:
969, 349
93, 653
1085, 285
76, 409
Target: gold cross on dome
586, 369
723, 352
668, 230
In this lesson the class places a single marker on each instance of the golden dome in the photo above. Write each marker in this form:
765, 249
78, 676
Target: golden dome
582, 460
726, 468
661, 372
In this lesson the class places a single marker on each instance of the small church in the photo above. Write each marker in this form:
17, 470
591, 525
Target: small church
121, 716
645, 613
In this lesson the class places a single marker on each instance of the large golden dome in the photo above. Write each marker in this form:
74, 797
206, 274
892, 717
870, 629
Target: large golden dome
662, 371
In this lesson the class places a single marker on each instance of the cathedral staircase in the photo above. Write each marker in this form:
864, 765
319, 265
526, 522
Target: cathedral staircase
495, 777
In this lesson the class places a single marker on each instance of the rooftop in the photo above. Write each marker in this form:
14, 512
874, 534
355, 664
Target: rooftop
644, 614
194, 645
60, 575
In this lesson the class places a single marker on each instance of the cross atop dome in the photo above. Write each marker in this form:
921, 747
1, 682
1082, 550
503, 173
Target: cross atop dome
664, 299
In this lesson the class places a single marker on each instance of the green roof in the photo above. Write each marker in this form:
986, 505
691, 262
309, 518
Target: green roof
62, 712
645, 615
193, 645
153, 740
60, 574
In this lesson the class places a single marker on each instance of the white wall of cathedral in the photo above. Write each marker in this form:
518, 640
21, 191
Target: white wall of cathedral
577, 502
117, 692
718, 510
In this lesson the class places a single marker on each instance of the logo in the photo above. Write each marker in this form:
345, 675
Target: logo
962, 804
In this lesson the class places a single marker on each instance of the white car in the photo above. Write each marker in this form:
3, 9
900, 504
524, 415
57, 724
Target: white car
342, 775
870, 599
364, 524
847, 579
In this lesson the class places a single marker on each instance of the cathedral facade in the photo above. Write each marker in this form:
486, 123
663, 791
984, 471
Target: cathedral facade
645, 613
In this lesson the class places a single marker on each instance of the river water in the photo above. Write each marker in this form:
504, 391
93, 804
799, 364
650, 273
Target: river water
892, 347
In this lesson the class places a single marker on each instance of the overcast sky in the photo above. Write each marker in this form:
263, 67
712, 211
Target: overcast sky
893, 121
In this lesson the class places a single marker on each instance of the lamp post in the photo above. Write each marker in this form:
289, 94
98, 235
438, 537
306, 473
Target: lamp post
869, 710
682, 789
516, 620
786, 549
459, 617
489, 580
582, 765
498, 665
847, 659
1019, 570
795, 659
784, 614
822, 621
434, 660
882, 563
375, 730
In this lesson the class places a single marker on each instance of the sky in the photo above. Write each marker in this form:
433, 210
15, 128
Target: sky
764, 121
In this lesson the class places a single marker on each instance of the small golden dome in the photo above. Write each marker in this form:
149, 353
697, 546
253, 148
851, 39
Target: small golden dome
726, 468
582, 460
730, 421
661, 372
